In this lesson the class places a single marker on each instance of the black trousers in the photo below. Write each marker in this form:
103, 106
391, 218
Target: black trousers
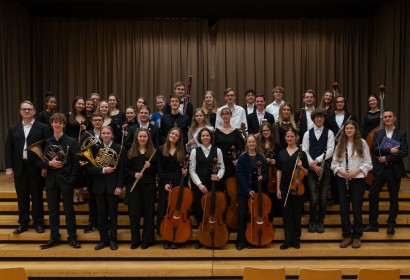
54, 194
242, 219
107, 209
357, 188
28, 187
318, 199
141, 204
393, 185
292, 215
92, 203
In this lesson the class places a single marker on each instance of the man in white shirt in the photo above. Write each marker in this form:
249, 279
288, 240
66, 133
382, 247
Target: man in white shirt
273, 108
238, 113
318, 144
302, 117
250, 105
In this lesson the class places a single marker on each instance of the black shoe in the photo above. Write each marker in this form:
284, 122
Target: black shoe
20, 229
198, 245
113, 245
249, 246
371, 228
101, 245
239, 246
167, 245
320, 228
175, 246
89, 229
296, 245
50, 243
74, 243
390, 229
312, 227
285, 246
134, 246
144, 246
39, 228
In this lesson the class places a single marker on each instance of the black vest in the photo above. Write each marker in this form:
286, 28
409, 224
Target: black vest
317, 147
204, 165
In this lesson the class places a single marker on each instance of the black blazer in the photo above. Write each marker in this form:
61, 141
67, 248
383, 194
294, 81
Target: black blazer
189, 110
15, 144
153, 130
332, 124
245, 107
303, 123
393, 160
108, 182
253, 122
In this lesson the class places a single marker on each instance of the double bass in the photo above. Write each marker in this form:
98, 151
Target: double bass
176, 226
259, 231
213, 232
231, 185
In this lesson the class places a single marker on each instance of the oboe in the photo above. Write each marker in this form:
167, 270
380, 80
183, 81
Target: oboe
347, 179
322, 166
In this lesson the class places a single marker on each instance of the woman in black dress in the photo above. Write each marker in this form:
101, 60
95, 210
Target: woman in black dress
44, 116
372, 118
104, 109
116, 115
292, 211
210, 107
284, 123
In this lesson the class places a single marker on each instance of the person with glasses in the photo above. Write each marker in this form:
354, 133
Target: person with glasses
20, 166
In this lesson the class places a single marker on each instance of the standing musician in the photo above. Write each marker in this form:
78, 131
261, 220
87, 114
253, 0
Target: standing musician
288, 161
210, 106
388, 167
116, 115
200, 169
20, 167
170, 157
304, 120
246, 172
351, 163
227, 136
318, 144
130, 120
141, 200
174, 119
198, 122
51, 104
250, 105
238, 114
274, 107
62, 170
372, 118
185, 106
327, 103
107, 181
157, 116
143, 122
103, 108
259, 115
283, 124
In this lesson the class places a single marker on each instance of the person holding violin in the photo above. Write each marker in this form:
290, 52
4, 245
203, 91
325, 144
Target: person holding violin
246, 172
292, 165
318, 144
140, 173
170, 157
270, 149
200, 169
351, 163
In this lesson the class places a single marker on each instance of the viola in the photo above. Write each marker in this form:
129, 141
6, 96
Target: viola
231, 185
272, 170
176, 226
259, 231
213, 232
297, 187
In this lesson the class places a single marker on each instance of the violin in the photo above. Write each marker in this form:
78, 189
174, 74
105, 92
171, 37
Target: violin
272, 170
296, 186
231, 185
259, 231
213, 232
176, 226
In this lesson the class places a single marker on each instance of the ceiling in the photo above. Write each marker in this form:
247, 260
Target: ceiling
201, 8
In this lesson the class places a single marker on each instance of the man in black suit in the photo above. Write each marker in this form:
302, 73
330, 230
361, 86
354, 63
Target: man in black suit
302, 117
62, 170
143, 122
259, 115
185, 106
174, 119
250, 105
20, 166
388, 167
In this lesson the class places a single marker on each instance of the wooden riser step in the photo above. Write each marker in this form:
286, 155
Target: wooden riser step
124, 235
200, 268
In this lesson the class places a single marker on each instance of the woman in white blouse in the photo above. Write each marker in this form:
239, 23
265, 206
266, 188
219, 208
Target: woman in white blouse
351, 163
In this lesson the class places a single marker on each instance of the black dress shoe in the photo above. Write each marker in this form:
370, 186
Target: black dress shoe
249, 246
74, 243
89, 229
239, 246
371, 228
101, 245
50, 243
20, 229
390, 230
198, 245
113, 245
175, 246
296, 245
39, 228
285, 246
144, 246
134, 246
167, 245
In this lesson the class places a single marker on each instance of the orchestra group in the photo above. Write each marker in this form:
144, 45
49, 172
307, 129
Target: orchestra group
232, 168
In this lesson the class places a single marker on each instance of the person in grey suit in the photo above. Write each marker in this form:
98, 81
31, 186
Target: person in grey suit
388, 167
20, 166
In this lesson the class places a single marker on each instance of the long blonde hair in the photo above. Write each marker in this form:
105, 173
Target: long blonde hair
195, 124
280, 117
214, 104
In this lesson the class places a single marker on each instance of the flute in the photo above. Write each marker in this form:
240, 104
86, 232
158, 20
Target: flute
142, 171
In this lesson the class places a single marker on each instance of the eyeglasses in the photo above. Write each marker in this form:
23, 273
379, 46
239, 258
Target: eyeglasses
27, 109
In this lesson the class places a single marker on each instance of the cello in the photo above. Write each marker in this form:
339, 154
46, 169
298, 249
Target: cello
176, 225
259, 231
369, 138
213, 232
231, 185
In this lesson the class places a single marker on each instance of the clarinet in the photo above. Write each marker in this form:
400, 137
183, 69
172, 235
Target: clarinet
322, 166
347, 179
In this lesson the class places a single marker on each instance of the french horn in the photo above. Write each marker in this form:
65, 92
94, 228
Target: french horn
86, 152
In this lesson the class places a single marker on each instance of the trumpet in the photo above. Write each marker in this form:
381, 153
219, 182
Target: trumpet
337, 136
